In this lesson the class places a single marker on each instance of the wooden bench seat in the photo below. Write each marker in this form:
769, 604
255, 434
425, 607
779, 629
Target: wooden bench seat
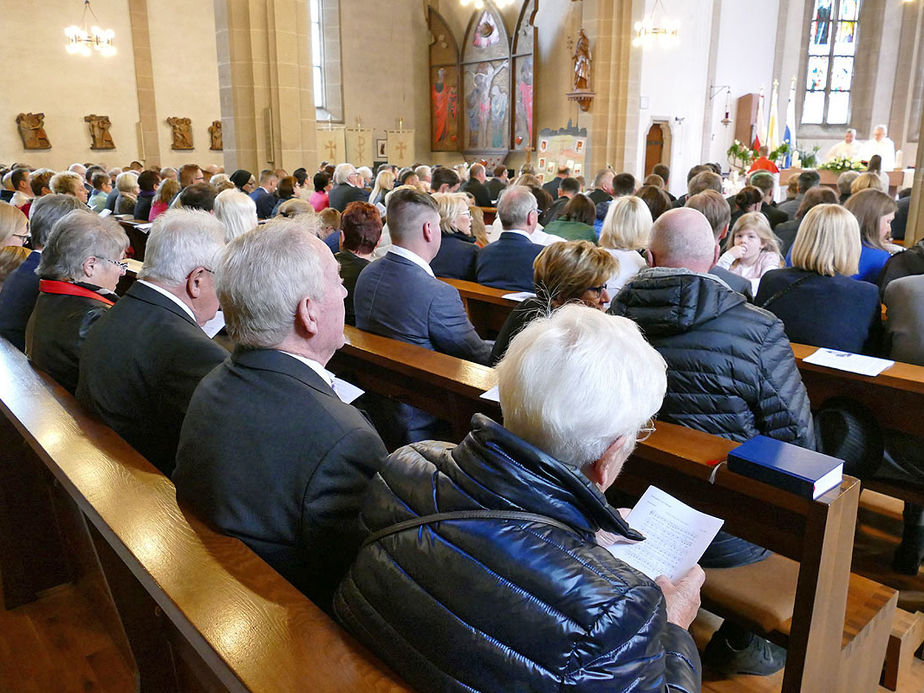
834, 622
200, 611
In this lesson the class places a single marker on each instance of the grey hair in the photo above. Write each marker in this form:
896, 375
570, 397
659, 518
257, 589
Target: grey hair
127, 181
65, 182
45, 211
343, 172
237, 211
885, 129
264, 274
180, 241
575, 344
845, 180
515, 205
78, 235
852, 131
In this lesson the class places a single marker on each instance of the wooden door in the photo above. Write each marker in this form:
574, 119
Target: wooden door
654, 147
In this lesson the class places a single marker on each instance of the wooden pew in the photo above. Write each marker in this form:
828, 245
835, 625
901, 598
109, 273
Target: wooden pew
200, 611
486, 306
837, 625
137, 231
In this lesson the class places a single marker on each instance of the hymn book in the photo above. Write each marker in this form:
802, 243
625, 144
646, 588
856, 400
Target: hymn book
804, 472
676, 536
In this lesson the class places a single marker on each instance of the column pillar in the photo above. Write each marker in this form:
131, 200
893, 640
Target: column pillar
914, 231
265, 84
149, 138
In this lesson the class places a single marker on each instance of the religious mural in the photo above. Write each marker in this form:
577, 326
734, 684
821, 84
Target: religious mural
486, 83
524, 42
445, 105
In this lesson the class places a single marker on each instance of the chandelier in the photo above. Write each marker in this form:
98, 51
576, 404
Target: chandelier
656, 31
479, 4
83, 41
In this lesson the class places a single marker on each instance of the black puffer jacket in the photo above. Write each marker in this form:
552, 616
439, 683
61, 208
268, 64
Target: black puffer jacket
731, 371
500, 605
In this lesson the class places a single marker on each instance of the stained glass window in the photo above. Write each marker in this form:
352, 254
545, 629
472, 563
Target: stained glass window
317, 53
832, 43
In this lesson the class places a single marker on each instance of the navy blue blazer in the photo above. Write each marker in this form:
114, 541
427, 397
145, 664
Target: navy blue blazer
456, 257
396, 298
507, 263
139, 366
20, 290
343, 194
265, 202
269, 454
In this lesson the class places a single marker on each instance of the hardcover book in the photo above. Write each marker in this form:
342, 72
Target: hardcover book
803, 472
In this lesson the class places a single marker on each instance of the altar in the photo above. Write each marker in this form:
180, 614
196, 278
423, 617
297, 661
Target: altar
898, 180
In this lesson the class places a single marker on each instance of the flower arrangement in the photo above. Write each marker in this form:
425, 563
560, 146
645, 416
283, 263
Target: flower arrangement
843, 163
740, 155
808, 159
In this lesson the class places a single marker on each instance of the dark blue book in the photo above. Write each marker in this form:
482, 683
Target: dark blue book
804, 472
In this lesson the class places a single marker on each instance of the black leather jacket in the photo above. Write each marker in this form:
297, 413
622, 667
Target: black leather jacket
499, 605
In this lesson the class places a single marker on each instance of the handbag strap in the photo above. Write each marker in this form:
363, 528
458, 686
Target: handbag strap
785, 290
458, 515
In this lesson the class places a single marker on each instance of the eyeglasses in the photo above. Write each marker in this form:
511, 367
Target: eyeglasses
26, 237
597, 289
644, 433
120, 264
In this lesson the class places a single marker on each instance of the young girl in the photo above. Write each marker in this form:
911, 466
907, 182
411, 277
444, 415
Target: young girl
752, 249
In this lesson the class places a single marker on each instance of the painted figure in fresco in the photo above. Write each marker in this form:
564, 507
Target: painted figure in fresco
525, 87
478, 103
444, 106
498, 112
486, 34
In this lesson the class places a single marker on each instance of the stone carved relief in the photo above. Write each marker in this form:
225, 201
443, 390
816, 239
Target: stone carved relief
99, 131
215, 135
32, 130
182, 132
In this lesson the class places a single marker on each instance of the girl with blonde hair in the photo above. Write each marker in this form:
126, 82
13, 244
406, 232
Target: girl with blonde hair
752, 249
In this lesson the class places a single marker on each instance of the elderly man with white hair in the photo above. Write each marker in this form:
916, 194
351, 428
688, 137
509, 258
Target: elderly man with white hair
494, 579
507, 263
882, 145
348, 187
268, 452
847, 148
142, 360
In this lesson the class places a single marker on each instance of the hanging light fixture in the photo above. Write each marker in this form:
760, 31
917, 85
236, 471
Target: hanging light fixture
83, 40
656, 29
479, 4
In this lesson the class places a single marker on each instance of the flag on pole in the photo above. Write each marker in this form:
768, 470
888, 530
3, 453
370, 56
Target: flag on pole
773, 136
789, 134
760, 129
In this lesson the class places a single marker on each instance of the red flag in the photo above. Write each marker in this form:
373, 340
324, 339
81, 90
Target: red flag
756, 145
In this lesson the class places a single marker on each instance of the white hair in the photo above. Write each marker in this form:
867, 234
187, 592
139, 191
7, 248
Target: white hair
343, 172
237, 211
77, 168
78, 235
852, 131
572, 383
66, 183
514, 206
127, 181
364, 171
265, 273
424, 172
884, 127
180, 241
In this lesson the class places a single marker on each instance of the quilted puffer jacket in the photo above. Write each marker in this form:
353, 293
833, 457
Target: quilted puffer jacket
506, 605
731, 371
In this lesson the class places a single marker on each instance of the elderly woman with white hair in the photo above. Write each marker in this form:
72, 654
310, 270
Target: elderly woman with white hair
80, 267
237, 211
497, 545
127, 185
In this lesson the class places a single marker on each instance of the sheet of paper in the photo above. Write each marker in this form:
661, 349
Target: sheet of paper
213, 326
105, 213
492, 395
519, 296
144, 227
845, 361
676, 536
347, 392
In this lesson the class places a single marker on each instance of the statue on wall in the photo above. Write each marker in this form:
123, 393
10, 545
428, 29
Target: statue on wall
215, 133
182, 132
32, 130
99, 131
581, 61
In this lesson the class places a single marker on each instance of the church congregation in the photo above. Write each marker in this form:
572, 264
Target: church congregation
204, 312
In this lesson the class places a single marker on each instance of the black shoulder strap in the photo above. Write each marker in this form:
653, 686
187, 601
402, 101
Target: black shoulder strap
510, 515
785, 290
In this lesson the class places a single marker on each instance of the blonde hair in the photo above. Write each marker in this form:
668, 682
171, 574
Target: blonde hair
384, 182
12, 222
865, 181
562, 272
66, 183
828, 241
11, 257
627, 225
756, 222
451, 205
167, 190
869, 206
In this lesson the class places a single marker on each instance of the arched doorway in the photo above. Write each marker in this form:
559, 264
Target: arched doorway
654, 147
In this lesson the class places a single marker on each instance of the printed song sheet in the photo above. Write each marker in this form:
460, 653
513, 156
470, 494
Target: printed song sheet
676, 536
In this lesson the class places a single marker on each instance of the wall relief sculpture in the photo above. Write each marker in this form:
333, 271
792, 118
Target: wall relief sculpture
215, 135
99, 131
32, 130
182, 132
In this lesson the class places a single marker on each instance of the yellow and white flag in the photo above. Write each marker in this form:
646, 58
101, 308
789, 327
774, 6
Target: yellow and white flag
773, 130
360, 149
331, 144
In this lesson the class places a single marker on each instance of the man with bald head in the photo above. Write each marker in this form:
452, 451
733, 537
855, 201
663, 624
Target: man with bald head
731, 372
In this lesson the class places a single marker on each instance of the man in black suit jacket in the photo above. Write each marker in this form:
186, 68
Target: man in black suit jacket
507, 263
476, 187
552, 186
497, 184
21, 288
264, 196
140, 364
348, 187
269, 453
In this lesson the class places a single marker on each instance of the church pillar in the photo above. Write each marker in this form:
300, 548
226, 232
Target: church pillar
149, 139
265, 84
614, 114
914, 231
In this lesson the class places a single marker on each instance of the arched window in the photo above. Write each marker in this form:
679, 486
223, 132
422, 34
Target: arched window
832, 44
317, 53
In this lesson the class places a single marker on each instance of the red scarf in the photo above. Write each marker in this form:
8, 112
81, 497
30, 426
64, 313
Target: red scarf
50, 286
